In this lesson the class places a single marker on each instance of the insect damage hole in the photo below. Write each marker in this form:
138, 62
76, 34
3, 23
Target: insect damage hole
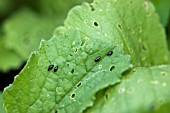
75, 50
106, 96
112, 68
120, 27
143, 46
130, 2
92, 8
72, 71
73, 95
95, 24
79, 84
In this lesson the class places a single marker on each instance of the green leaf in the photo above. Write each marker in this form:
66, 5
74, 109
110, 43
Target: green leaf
2, 110
72, 88
25, 30
134, 25
163, 9
4, 7
143, 90
58, 7
8, 58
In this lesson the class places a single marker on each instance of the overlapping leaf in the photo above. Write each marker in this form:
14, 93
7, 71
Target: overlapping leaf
144, 90
2, 110
25, 28
73, 86
163, 9
8, 58
131, 24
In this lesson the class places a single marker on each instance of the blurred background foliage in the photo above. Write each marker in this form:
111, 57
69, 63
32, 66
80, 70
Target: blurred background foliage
24, 23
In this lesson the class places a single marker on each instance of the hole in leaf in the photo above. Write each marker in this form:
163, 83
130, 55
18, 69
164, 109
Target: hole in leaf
56, 111
79, 84
95, 24
68, 65
72, 71
120, 27
130, 2
163, 73
111, 68
106, 96
71, 55
75, 51
73, 95
85, 21
131, 50
151, 108
144, 47
92, 8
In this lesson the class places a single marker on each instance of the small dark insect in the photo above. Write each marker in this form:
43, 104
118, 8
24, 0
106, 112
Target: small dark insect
50, 67
56, 68
109, 53
97, 59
